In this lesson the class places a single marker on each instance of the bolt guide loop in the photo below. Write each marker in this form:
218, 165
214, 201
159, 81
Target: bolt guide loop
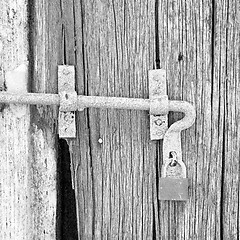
173, 182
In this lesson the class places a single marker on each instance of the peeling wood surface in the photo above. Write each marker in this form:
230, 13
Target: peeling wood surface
44, 40
15, 210
28, 196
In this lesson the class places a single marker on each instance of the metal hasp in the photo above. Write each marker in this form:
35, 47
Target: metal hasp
173, 184
68, 102
157, 90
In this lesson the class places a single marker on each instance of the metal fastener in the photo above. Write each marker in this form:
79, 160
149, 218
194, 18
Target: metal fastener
159, 122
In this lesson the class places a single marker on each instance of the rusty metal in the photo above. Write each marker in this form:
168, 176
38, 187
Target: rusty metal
172, 138
158, 105
157, 91
30, 98
173, 184
114, 102
82, 101
105, 102
68, 102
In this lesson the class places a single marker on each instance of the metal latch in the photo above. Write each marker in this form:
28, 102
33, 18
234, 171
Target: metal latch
158, 105
172, 146
173, 186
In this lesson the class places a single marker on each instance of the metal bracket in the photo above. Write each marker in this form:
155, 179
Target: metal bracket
68, 101
158, 92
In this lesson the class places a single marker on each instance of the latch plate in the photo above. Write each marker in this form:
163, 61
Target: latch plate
68, 101
157, 89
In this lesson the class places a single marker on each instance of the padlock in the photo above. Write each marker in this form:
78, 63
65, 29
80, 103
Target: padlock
173, 185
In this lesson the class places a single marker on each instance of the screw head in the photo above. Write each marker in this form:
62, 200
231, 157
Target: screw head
65, 71
159, 122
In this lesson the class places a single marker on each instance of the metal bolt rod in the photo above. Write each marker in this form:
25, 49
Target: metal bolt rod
113, 102
30, 98
104, 102
83, 101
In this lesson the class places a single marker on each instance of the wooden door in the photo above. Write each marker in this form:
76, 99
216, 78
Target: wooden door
115, 167
116, 181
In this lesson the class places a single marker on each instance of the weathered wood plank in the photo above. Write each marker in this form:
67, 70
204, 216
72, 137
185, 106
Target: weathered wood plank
45, 50
15, 211
113, 159
227, 65
186, 51
28, 191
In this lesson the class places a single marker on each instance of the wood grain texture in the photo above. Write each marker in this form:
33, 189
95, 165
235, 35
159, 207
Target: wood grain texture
185, 39
15, 211
186, 43
115, 167
227, 65
28, 157
113, 159
45, 45
199, 47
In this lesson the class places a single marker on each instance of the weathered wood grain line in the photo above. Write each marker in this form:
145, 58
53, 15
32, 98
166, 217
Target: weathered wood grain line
227, 71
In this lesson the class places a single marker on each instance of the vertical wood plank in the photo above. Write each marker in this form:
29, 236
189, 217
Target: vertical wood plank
186, 50
15, 221
45, 54
227, 67
27, 177
113, 159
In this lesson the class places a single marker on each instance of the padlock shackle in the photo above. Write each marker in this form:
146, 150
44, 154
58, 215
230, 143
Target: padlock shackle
167, 163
